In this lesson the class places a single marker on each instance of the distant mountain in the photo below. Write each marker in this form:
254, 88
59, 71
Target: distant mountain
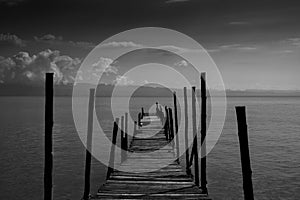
143, 91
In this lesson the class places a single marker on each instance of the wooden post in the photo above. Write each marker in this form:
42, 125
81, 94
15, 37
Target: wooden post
186, 131
89, 145
176, 126
112, 149
143, 113
171, 128
166, 126
126, 133
48, 137
123, 153
203, 133
139, 120
134, 130
245, 155
195, 141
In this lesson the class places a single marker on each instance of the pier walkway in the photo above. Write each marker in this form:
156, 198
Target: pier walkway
150, 170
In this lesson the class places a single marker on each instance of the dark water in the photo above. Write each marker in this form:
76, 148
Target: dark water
274, 134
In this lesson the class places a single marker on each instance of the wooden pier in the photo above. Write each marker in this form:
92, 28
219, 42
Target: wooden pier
150, 167
150, 150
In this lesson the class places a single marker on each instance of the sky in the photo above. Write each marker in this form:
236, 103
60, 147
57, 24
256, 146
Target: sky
255, 44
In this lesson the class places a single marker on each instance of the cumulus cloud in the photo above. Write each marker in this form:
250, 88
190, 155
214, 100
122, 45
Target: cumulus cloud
181, 63
104, 65
25, 69
123, 80
11, 39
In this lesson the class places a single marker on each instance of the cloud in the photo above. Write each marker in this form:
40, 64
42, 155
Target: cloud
130, 44
58, 40
123, 80
104, 65
176, 1
294, 41
237, 47
126, 44
181, 63
85, 45
11, 39
48, 38
25, 69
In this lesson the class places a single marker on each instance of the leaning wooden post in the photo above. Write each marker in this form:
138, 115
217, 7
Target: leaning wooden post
176, 126
89, 145
122, 140
195, 141
245, 155
112, 149
48, 137
186, 131
203, 133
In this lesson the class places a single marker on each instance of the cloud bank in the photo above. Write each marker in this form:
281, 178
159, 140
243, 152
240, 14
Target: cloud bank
23, 68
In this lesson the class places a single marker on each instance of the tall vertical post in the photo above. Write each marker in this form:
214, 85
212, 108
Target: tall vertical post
112, 149
123, 152
139, 120
195, 141
126, 132
245, 155
171, 127
203, 133
176, 126
89, 145
143, 113
48, 137
166, 126
186, 131
134, 129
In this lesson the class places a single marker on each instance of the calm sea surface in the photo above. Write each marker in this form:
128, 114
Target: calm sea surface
274, 136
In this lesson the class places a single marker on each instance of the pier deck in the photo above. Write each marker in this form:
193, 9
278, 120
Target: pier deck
150, 170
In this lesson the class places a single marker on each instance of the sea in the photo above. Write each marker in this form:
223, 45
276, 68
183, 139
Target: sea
274, 142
